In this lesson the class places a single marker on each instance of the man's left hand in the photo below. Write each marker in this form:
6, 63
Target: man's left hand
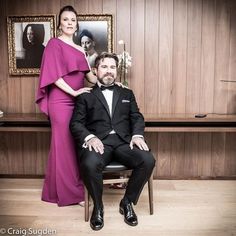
139, 142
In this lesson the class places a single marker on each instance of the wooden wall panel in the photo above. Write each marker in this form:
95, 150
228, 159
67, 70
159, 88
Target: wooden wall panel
164, 147
204, 154
29, 144
231, 100
181, 50
15, 154
193, 55
137, 49
177, 154
81, 6
222, 56
43, 142
207, 56
3, 154
122, 29
165, 81
109, 7
179, 56
165, 56
95, 6
3, 52
152, 12
206, 82
230, 160
218, 154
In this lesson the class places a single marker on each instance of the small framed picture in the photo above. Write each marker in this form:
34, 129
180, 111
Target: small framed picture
27, 38
95, 35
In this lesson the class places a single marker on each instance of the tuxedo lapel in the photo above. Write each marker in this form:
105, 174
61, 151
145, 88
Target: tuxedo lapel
116, 95
98, 93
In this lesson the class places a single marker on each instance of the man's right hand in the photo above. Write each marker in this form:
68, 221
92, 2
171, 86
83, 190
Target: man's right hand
96, 144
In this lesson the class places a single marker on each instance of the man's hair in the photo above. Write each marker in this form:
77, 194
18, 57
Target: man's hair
104, 55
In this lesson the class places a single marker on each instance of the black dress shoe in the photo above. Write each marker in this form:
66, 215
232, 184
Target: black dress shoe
96, 221
127, 210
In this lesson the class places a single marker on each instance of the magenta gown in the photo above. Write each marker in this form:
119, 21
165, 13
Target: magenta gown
62, 184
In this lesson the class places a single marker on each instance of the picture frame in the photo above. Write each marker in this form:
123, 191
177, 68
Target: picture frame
95, 30
27, 38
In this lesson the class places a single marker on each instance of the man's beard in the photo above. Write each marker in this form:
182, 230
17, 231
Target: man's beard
110, 81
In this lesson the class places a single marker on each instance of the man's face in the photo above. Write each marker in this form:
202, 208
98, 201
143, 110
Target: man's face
107, 71
87, 44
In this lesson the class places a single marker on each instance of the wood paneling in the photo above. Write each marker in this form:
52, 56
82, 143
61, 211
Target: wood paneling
151, 56
207, 56
137, 49
179, 57
222, 55
165, 56
181, 50
194, 28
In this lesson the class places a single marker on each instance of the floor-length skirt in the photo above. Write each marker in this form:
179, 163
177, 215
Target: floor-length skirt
62, 184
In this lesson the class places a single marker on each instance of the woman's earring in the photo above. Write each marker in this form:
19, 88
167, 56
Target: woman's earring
59, 31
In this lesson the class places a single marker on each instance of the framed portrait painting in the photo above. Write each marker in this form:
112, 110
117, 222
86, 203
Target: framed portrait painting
95, 35
27, 38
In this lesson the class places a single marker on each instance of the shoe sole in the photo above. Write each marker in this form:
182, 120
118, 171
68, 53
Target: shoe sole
127, 222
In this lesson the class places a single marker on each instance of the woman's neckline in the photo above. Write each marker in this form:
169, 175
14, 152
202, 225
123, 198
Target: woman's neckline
77, 49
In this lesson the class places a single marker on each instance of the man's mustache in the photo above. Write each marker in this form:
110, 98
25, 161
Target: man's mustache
109, 74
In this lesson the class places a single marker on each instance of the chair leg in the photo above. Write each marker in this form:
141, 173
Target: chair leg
86, 205
150, 194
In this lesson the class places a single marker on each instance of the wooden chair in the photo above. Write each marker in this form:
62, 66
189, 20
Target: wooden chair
116, 167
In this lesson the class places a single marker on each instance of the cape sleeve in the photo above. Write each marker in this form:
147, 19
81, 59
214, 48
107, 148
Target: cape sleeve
56, 63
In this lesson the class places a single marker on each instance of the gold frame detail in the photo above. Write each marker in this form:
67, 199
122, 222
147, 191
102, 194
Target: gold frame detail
11, 21
101, 17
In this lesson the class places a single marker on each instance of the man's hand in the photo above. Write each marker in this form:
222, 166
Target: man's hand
96, 144
139, 142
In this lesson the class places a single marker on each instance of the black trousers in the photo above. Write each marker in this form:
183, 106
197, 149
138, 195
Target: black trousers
92, 165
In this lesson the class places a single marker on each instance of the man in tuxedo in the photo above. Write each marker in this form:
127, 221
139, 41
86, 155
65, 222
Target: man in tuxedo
107, 125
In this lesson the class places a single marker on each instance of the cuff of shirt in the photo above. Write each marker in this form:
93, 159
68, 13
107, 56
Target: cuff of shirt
137, 136
87, 138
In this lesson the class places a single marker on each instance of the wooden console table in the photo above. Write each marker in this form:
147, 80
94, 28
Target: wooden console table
29, 122
188, 123
24, 122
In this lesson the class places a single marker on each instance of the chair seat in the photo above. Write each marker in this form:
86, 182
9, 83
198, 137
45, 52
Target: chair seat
115, 166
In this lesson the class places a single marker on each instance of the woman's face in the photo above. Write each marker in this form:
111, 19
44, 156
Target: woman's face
87, 43
68, 23
30, 34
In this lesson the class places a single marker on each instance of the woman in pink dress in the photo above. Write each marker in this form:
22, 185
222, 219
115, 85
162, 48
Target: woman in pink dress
63, 69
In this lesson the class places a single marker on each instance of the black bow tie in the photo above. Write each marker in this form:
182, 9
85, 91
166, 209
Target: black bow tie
108, 87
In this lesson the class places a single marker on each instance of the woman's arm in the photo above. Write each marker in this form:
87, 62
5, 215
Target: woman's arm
60, 83
91, 78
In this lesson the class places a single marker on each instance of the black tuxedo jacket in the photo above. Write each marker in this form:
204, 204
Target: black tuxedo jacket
91, 115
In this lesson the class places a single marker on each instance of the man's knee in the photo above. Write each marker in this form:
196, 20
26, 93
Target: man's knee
149, 160
90, 162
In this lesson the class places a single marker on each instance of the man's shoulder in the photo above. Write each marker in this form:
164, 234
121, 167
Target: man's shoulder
126, 90
86, 95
